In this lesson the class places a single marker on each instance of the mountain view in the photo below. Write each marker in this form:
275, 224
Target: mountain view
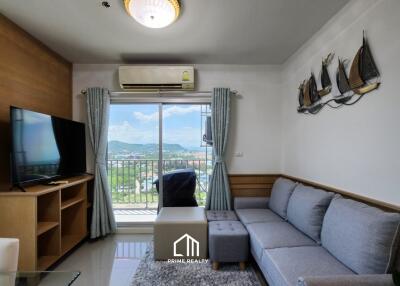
123, 147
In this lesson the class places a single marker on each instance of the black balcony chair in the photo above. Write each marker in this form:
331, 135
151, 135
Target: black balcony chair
178, 188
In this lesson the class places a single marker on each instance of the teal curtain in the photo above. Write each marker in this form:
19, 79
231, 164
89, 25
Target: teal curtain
98, 105
219, 194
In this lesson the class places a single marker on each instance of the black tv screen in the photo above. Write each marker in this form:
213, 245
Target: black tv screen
45, 147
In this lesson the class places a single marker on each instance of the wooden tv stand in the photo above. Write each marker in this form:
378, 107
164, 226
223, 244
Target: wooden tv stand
48, 220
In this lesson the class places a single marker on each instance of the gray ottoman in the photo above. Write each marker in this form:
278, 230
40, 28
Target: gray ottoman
228, 241
221, 215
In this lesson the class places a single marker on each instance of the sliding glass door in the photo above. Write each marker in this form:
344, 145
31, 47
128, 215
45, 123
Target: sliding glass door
133, 155
183, 147
147, 140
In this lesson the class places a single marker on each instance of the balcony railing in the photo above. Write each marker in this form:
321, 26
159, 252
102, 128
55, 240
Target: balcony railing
131, 181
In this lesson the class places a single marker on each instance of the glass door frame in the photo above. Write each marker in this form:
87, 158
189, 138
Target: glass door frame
161, 101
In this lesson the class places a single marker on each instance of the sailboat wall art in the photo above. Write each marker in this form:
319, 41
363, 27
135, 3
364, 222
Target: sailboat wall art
363, 78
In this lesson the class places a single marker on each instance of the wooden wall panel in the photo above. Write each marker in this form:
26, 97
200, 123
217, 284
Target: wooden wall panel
252, 185
248, 185
33, 77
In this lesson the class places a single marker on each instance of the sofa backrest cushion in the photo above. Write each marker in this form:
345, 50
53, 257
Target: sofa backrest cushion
396, 264
281, 192
306, 210
362, 237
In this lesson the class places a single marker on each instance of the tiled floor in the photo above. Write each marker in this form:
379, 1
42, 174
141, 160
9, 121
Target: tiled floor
111, 261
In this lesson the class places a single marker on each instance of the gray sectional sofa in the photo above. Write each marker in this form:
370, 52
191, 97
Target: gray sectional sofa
309, 237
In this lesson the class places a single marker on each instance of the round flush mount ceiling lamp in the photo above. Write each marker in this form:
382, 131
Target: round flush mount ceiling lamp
153, 13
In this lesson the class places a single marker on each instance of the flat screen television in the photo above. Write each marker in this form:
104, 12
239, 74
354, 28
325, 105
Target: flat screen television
45, 147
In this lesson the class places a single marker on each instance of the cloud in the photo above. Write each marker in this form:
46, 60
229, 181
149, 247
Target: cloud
126, 132
167, 112
187, 136
145, 117
180, 110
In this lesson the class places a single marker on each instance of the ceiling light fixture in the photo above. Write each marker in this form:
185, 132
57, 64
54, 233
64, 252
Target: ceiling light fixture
153, 13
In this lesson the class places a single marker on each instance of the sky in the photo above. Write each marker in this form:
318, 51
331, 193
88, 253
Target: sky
138, 123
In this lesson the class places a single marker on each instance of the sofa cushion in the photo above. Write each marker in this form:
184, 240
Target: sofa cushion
284, 266
349, 280
362, 237
250, 203
280, 194
275, 234
221, 215
306, 209
257, 215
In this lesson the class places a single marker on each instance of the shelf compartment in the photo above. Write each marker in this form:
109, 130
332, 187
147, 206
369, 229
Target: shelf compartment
69, 241
46, 261
48, 250
48, 207
73, 226
44, 226
73, 192
70, 202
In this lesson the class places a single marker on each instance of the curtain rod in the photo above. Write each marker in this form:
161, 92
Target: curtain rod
161, 93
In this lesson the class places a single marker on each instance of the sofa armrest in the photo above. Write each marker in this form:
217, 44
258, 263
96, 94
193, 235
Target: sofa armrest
250, 203
347, 280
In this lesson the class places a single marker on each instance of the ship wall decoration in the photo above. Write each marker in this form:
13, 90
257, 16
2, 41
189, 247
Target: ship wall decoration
363, 78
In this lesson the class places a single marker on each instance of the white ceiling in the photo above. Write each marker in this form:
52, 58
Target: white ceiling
208, 31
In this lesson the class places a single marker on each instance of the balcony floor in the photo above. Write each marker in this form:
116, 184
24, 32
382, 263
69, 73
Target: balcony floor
135, 216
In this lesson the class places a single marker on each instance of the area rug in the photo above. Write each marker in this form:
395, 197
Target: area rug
162, 273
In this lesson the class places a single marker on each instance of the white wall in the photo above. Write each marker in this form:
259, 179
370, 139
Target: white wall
355, 148
255, 117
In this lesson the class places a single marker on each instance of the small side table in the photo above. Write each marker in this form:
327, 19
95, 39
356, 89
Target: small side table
180, 233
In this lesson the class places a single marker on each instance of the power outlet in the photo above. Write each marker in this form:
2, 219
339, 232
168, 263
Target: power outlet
238, 154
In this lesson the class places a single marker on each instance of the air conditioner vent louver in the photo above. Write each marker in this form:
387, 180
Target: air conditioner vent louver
152, 86
144, 78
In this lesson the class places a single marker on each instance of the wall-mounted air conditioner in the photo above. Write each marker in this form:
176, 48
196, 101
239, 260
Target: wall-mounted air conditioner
157, 78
